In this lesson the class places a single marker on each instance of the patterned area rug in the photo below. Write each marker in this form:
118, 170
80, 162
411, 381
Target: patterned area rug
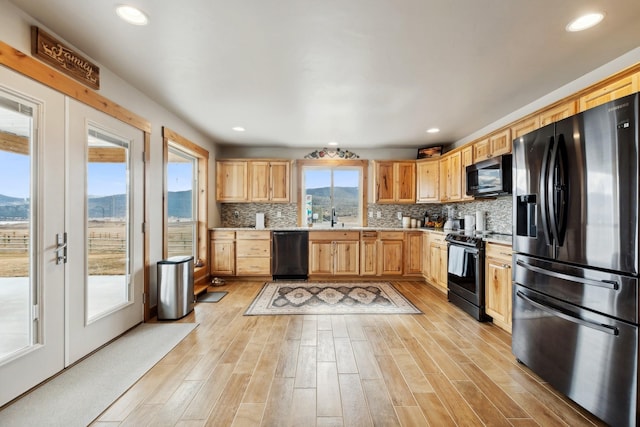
330, 298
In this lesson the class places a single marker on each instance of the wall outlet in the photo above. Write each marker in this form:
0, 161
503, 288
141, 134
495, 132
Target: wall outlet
278, 214
370, 214
378, 214
236, 214
400, 215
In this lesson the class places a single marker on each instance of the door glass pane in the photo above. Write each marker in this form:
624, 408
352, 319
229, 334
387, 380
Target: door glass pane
181, 203
107, 223
17, 240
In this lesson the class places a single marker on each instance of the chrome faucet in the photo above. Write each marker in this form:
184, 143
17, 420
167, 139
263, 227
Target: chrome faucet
334, 218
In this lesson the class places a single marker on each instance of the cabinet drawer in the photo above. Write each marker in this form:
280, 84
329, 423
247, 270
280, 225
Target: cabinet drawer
253, 235
223, 235
437, 238
494, 250
253, 266
253, 248
334, 235
369, 235
391, 235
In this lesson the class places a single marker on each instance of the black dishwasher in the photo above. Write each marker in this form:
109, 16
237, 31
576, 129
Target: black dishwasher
290, 255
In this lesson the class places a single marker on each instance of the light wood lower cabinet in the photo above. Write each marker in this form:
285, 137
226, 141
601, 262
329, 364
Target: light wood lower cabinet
437, 274
253, 253
222, 247
390, 253
498, 286
368, 253
334, 253
413, 253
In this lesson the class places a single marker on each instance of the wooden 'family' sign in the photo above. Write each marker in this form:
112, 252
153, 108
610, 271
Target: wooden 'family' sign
54, 53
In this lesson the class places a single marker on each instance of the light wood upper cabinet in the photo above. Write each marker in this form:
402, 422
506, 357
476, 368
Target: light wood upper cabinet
395, 181
450, 187
559, 112
258, 181
498, 286
232, 181
269, 181
496, 144
427, 181
525, 126
614, 90
466, 159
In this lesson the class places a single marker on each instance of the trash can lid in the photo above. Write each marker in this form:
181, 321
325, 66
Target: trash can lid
176, 259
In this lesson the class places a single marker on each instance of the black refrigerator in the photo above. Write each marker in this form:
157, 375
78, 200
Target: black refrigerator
575, 241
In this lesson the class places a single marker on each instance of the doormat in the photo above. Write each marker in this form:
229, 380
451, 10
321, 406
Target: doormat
211, 296
330, 298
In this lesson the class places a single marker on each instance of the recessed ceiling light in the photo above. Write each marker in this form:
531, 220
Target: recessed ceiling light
238, 128
333, 143
585, 21
132, 15
433, 130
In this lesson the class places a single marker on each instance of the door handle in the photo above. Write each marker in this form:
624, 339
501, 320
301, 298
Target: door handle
61, 248
608, 284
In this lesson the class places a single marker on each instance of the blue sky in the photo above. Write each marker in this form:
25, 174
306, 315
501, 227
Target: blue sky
319, 178
14, 174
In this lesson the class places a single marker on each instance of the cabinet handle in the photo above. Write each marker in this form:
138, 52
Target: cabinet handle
505, 254
506, 265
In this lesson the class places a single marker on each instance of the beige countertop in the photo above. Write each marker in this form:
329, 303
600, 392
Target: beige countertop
505, 239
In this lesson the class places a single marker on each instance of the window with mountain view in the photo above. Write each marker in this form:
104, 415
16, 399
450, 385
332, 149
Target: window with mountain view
182, 203
332, 195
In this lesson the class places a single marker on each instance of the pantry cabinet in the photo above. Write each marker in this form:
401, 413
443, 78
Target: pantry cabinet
395, 181
334, 253
498, 286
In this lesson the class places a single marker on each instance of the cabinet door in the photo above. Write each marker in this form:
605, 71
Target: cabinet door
231, 181
405, 182
466, 159
434, 264
280, 182
413, 253
481, 150
443, 184
443, 272
454, 176
618, 89
320, 257
368, 257
390, 257
384, 182
222, 257
259, 181
525, 126
559, 112
427, 181
500, 143
498, 291
346, 258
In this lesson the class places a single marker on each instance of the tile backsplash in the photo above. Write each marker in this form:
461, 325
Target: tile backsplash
278, 215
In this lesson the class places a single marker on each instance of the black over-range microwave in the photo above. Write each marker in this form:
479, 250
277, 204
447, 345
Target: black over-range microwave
490, 178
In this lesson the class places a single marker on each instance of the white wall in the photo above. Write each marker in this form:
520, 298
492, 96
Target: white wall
15, 30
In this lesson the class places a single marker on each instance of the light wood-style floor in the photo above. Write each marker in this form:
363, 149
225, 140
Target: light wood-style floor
441, 368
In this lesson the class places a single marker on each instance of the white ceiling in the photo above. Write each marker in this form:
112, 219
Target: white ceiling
365, 73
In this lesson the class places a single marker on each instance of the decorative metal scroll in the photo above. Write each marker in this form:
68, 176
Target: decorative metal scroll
327, 153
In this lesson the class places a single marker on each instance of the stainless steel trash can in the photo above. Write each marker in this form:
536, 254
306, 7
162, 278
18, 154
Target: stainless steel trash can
175, 287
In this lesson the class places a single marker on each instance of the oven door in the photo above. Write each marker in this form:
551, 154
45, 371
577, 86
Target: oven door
466, 273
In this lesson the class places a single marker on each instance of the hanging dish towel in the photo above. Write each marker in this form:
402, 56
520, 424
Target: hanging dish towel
457, 261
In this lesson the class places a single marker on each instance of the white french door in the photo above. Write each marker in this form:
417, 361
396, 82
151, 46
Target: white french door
71, 240
104, 229
32, 179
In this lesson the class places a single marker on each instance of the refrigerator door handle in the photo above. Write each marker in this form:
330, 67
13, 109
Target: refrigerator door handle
608, 284
544, 199
556, 191
611, 330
